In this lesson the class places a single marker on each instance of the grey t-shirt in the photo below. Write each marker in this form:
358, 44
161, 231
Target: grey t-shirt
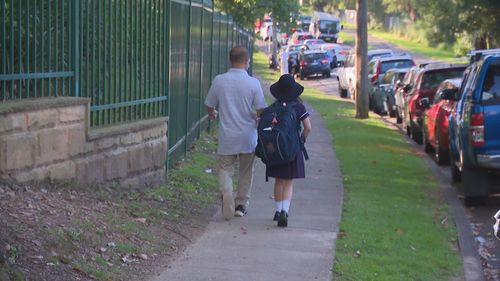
237, 96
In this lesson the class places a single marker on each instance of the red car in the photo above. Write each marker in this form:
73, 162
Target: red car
435, 123
425, 84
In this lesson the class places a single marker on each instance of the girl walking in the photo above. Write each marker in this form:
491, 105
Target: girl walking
286, 90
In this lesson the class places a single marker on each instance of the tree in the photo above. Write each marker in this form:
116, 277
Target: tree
361, 60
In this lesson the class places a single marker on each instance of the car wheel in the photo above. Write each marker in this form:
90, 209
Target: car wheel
456, 175
342, 92
399, 119
475, 183
442, 154
327, 74
416, 136
427, 146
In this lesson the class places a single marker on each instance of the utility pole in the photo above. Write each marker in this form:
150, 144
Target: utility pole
361, 69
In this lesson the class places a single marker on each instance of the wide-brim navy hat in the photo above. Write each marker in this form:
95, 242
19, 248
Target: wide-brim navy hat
286, 89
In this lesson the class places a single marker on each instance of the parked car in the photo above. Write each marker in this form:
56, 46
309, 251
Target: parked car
346, 76
435, 120
339, 51
377, 68
313, 44
299, 37
426, 82
383, 100
402, 88
474, 128
313, 62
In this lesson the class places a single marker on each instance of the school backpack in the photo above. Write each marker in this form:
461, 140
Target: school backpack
278, 139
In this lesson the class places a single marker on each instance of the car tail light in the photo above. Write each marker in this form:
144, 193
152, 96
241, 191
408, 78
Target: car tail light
477, 129
324, 61
377, 73
342, 52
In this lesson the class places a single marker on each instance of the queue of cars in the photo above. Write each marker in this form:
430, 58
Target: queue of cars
309, 55
452, 108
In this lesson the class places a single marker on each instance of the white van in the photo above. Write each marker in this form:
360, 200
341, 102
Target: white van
325, 26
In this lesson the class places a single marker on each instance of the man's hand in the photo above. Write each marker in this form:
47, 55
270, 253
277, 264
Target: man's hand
213, 114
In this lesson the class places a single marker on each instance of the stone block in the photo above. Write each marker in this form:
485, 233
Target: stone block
130, 182
159, 153
90, 170
72, 114
105, 143
116, 164
77, 140
153, 133
12, 122
35, 175
42, 119
52, 145
62, 171
152, 178
17, 151
140, 157
131, 138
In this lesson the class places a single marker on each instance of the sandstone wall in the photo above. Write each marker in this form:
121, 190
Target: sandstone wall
50, 139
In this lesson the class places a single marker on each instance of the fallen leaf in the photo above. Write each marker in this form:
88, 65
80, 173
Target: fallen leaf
141, 220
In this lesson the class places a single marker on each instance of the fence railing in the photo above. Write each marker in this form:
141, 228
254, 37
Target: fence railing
135, 59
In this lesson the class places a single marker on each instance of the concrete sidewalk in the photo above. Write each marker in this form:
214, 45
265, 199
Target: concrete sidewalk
253, 248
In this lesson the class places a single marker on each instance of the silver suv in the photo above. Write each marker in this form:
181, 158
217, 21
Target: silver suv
346, 75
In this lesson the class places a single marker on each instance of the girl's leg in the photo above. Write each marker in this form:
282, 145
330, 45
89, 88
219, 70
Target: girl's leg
287, 193
278, 196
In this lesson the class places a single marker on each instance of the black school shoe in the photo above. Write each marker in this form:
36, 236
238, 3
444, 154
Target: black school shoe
240, 211
283, 219
276, 216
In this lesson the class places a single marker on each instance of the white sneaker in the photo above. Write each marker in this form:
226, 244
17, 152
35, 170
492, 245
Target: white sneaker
227, 205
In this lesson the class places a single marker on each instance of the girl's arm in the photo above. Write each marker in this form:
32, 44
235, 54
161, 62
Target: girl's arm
307, 129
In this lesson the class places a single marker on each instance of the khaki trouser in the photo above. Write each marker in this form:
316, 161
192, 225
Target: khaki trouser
245, 176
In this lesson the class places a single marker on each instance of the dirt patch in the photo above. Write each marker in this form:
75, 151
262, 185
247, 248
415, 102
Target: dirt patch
58, 232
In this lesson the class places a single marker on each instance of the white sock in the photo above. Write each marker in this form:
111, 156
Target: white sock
279, 205
286, 205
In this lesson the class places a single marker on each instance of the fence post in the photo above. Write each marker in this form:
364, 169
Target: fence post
188, 52
75, 27
202, 51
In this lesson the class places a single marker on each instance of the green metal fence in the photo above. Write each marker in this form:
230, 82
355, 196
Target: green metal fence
135, 59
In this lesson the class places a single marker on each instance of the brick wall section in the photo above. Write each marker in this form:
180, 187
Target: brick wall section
49, 139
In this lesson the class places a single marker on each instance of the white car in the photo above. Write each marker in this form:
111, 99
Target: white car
340, 51
346, 75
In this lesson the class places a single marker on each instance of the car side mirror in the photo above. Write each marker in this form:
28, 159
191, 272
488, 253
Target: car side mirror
448, 94
425, 103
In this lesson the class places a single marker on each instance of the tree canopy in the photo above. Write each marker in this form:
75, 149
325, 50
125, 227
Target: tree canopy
246, 12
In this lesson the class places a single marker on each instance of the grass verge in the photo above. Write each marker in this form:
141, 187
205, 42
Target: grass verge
414, 46
394, 225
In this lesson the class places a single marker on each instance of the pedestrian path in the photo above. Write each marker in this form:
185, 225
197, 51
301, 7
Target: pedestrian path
253, 248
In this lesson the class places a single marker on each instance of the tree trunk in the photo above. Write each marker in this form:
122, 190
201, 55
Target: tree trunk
361, 91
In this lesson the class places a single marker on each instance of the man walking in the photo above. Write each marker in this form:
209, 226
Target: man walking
240, 101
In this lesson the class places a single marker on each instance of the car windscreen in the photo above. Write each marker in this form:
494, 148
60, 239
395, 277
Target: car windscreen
304, 37
386, 65
491, 85
432, 79
327, 26
314, 57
